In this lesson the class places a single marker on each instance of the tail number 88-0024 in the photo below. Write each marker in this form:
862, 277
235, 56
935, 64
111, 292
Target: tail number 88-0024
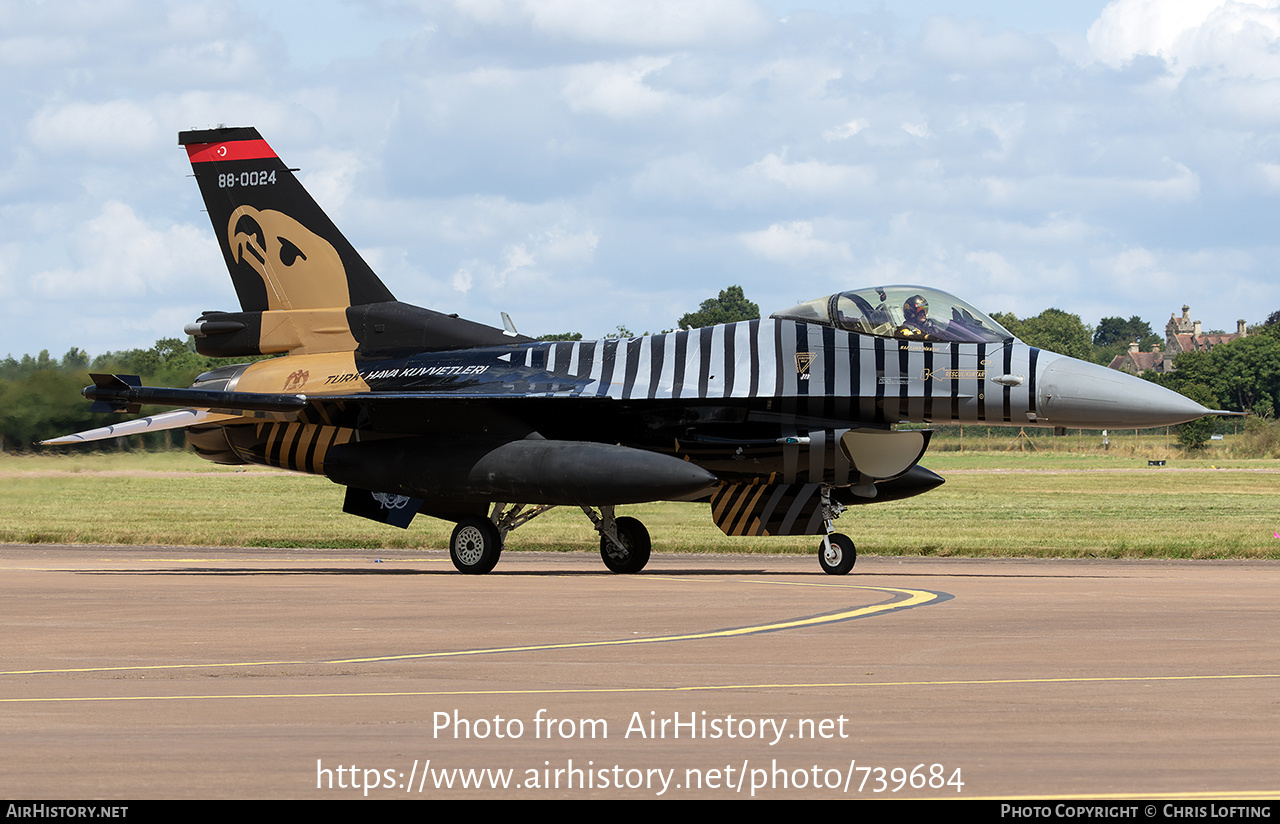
253, 178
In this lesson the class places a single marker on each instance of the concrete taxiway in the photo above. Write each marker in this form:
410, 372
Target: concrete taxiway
145, 672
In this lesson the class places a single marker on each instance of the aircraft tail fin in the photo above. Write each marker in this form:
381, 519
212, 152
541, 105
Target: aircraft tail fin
282, 250
303, 287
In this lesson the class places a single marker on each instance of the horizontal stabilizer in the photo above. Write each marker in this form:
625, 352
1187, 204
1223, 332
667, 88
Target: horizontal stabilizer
177, 419
121, 393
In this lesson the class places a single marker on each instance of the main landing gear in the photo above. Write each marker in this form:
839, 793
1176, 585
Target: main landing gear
475, 546
477, 541
624, 542
625, 546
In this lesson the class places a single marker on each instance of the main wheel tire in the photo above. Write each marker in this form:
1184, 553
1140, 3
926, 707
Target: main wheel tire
839, 557
634, 553
475, 546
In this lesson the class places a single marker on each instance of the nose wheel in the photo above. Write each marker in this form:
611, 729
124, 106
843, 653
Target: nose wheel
837, 554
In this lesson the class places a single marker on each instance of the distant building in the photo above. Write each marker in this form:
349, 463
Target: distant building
1181, 334
1135, 362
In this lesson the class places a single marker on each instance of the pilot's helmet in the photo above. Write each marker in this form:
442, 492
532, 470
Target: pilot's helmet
916, 309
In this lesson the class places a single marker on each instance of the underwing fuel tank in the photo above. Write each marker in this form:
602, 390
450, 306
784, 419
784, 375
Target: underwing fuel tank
531, 471
1074, 393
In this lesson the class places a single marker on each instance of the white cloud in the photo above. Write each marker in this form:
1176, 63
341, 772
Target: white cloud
614, 162
1005, 122
1138, 268
98, 130
641, 23
1001, 274
331, 177
616, 90
794, 244
920, 130
558, 245
8, 281
1181, 185
1161, 280
1237, 38
33, 51
461, 280
1250, 102
1056, 229
222, 62
810, 176
278, 121
117, 255
845, 130
539, 258
970, 44
1129, 28
690, 178
1270, 174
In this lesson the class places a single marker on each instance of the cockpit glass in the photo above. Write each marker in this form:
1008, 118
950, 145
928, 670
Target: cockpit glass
909, 312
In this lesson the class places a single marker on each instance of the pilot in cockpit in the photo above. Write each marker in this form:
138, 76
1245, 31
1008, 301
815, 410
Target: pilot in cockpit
915, 319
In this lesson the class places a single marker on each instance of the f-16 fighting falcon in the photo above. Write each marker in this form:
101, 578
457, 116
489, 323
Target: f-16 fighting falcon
778, 425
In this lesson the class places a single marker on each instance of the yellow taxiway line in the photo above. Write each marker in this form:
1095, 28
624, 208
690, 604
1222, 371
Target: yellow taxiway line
900, 599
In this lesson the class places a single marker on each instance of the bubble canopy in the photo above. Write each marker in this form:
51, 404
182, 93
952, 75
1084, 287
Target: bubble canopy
911, 312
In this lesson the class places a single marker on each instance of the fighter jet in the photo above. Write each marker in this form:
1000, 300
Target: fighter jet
778, 425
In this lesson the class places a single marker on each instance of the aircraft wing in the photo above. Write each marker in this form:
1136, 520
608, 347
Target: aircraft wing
124, 393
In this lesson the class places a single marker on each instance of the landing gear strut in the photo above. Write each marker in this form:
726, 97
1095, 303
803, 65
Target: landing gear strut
477, 541
631, 552
836, 553
624, 542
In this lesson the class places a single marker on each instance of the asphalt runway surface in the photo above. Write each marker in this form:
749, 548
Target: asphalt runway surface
147, 672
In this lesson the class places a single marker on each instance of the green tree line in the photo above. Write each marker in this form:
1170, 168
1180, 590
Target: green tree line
40, 395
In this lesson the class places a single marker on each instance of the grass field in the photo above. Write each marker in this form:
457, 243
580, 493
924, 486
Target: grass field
1086, 503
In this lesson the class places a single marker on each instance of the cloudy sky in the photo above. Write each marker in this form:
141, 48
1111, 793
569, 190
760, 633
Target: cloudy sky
583, 164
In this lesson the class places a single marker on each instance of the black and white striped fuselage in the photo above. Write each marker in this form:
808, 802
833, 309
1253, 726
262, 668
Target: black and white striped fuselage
779, 379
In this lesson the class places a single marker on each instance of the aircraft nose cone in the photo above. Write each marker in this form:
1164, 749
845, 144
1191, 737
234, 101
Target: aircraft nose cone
1078, 394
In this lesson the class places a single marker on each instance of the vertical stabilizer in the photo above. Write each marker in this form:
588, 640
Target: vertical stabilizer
303, 288
282, 251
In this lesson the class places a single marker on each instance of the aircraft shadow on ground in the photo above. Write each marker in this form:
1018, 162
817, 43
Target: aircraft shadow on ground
236, 572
